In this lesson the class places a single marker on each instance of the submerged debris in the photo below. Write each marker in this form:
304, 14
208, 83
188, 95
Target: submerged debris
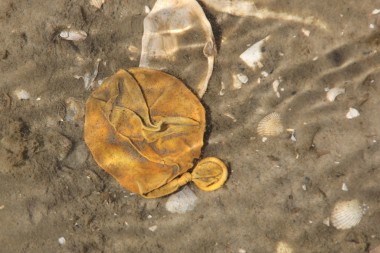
162, 44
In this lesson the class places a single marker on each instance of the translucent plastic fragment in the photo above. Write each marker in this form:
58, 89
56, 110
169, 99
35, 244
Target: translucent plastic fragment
178, 39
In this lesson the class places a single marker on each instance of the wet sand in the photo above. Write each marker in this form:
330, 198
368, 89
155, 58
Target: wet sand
280, 190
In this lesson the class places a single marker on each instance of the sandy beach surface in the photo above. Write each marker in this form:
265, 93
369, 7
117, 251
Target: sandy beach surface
280, 191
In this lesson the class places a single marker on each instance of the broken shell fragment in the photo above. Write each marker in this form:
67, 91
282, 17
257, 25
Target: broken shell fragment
72, 34
253, 54
333, 93
270, 125
283, 247
182, 201
74, 109
238, 80
97, 3
346, 214
326, 221
22, 94
242, 78
352, 113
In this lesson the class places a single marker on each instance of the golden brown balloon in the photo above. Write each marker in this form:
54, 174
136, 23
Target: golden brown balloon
145, 128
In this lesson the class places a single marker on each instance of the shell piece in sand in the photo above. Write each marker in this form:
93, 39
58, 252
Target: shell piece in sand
253, 54
283, 247
352, 113
73, 34
346, 214
270, 125
97, 3
178, 39
182, 201
334, 92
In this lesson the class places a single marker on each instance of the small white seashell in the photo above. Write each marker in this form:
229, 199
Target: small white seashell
153, 228
270, 125
61, 240
72, 34
293, 137
275, 85
22, 94
344, 187
333, 93
283, 247
305, 32
346, 214
236, 84
264, 74
97, 3
352, 113
222, 89
375, 11
231, 116
182, 201
253, 54
133, 49
242, 78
